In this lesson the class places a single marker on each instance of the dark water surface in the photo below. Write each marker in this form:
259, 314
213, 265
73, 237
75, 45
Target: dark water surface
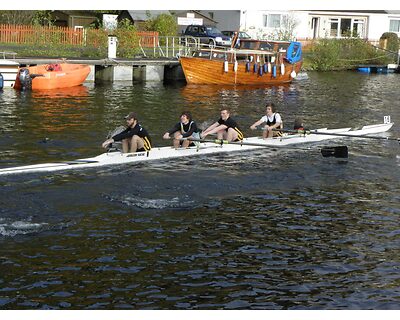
264, 230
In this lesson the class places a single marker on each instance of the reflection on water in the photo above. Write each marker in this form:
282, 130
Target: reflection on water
270, 229
76, 92
206, 96
60, 109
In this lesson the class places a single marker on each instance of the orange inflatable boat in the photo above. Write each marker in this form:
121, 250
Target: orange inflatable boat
51, 76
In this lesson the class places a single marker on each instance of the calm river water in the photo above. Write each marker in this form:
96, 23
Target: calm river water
265, 230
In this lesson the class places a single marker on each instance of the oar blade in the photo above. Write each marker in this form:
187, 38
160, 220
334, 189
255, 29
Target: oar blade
337, 152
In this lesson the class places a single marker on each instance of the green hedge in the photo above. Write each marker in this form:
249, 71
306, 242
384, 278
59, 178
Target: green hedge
342, 54
392, 41
55, 51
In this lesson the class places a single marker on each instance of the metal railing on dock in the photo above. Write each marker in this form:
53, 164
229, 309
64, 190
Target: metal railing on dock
6, 54
171, 46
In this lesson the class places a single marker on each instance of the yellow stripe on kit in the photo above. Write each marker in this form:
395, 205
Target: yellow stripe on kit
240, 134
147, 144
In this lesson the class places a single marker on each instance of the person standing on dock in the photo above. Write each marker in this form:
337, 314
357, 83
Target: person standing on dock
226, 128
186, 128
134, 138
273, 121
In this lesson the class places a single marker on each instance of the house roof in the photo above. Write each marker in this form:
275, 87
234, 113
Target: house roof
143, 15
75, 13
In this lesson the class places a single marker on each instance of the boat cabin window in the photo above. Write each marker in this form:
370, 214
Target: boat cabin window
283, 47
248, 45
203, 54
266, 46
241, 57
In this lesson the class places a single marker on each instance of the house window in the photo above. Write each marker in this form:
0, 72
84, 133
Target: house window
272, 20
345, 27
334, 27
394, 26
358, 28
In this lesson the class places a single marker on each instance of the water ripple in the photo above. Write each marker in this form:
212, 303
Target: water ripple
270, 229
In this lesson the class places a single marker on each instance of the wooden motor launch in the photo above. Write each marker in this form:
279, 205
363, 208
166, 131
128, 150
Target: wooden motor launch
254, 62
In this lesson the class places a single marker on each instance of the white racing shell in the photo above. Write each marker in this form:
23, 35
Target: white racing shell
204, 148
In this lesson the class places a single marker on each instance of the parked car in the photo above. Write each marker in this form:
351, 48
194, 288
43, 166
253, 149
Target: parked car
208, 34
242, 34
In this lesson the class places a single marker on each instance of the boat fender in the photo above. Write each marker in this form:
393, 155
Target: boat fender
293, 74
260, 71
269, 67
282, 69
258, 59
1, 81
293, 53
248, 66
251, 58
255, 68
25, 79
226, 66
235, 66
272, 59
274, 71
265, 67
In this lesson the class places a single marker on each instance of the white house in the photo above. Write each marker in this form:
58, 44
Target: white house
312, 24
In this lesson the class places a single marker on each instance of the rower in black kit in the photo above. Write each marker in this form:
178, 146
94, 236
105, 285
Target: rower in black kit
134, 138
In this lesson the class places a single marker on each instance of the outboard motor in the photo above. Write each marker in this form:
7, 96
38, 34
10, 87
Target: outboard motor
1, 81
25, 79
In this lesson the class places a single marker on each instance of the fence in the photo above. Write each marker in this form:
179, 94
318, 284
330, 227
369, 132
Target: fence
25, 34
33, 34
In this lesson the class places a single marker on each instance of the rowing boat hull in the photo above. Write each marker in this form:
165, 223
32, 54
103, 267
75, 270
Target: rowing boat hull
117, 158
205, 71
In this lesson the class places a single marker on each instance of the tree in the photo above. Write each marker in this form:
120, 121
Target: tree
286, 30
23, 17
42, 18
164, 24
